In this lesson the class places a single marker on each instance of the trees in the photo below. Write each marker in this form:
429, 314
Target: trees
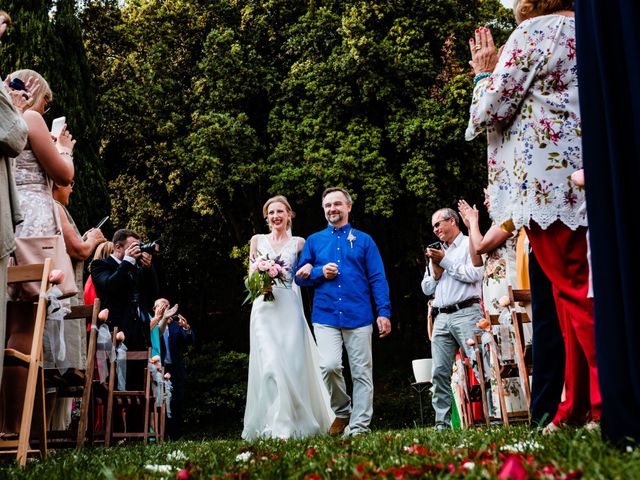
209, 107
49, 40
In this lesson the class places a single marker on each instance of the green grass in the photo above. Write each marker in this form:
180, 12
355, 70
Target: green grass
411, 453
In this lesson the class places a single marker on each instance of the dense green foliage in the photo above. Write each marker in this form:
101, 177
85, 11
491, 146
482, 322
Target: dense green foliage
53, 46
196, 111
411, 453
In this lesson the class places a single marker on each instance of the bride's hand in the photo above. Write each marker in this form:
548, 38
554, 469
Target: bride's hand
304, 271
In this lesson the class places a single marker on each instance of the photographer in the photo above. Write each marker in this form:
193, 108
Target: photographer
124, 281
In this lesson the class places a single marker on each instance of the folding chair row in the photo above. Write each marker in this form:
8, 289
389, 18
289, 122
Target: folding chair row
77, 383
127, 399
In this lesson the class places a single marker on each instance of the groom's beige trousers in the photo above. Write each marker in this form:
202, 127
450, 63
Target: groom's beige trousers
357, 342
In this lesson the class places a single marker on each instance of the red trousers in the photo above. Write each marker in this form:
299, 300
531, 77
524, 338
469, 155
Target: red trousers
562, 255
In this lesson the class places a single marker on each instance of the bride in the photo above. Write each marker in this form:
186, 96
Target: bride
286, 396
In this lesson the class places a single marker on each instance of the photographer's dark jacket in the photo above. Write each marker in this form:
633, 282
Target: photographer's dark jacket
118, 286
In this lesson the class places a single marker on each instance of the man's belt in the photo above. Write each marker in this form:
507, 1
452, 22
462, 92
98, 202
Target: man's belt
456, 306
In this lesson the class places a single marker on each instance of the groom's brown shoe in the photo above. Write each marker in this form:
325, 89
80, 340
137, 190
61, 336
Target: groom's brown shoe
338, 426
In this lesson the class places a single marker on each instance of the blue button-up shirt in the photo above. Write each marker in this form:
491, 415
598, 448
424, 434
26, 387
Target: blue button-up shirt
345, 301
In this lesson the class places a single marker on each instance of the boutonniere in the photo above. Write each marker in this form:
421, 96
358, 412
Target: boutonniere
351, 237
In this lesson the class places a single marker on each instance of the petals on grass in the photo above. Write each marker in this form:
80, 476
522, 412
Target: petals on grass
243, 457
512, 469
310, 452
158, 468
416, 450
521, 447
176, 455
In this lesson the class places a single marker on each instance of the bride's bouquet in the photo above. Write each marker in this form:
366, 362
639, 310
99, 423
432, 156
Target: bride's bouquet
265, 272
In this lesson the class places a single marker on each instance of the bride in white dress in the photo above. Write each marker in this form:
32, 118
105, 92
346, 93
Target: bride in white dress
286, 396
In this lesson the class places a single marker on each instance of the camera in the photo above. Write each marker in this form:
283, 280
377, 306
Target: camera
435, 246
17, 84
150, 248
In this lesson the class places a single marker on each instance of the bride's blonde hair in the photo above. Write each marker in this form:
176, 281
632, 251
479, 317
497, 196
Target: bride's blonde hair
283, 200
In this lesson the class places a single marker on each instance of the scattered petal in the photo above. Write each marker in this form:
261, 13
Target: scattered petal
243, 457
159, 468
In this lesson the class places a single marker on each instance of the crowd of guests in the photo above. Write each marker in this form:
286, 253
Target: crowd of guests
36, 183
525, 100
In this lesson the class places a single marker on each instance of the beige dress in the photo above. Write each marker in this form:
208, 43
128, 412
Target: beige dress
37, 206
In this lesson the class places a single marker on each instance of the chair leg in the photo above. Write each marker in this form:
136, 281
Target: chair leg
109, 420
501, 392
483, 390
84, 410
27, 413
42, 424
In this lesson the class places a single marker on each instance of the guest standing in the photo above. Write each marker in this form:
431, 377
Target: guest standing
455, 283
13, 138
42, 161
527, 102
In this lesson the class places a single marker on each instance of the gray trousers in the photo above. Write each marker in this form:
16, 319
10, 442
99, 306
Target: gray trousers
450, 332
357, 342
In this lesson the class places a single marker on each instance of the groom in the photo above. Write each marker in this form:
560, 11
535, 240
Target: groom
347, 274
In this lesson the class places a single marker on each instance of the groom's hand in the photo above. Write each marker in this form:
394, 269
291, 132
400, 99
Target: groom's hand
384, 326
330, 271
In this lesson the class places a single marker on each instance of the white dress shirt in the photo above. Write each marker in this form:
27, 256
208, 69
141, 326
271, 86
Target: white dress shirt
459, 281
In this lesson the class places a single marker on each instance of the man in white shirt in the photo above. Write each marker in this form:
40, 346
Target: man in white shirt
456, 286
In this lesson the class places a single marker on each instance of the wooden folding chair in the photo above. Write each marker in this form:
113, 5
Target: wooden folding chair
473, 392
88, 396
127, 398
32, 361
76, 382
520, 368
523, 358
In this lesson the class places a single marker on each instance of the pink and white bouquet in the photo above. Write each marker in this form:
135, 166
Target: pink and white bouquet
265, 272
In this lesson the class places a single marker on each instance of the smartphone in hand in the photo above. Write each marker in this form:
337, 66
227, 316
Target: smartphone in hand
101, 222
57, 125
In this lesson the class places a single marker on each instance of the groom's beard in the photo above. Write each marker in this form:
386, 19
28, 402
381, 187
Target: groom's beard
334, 218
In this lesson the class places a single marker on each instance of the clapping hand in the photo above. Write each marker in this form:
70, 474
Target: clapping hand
5, 21
484, 55
468, 214
183, 323
23, 99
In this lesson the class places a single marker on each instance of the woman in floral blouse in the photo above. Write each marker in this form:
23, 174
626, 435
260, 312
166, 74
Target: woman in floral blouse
526, 99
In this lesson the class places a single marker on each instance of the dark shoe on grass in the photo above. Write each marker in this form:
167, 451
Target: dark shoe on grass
338, 426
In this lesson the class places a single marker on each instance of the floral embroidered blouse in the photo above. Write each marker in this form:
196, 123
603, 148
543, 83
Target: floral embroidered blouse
529, 109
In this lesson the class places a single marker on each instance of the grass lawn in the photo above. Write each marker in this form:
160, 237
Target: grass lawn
410, 453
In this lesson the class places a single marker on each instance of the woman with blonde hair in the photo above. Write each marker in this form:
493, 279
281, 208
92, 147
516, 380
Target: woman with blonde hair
42, 162
102, 251
286, 395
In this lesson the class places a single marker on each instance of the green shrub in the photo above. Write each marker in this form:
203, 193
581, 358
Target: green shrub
216, 390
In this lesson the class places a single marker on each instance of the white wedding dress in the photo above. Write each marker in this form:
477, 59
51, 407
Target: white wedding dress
286, 396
